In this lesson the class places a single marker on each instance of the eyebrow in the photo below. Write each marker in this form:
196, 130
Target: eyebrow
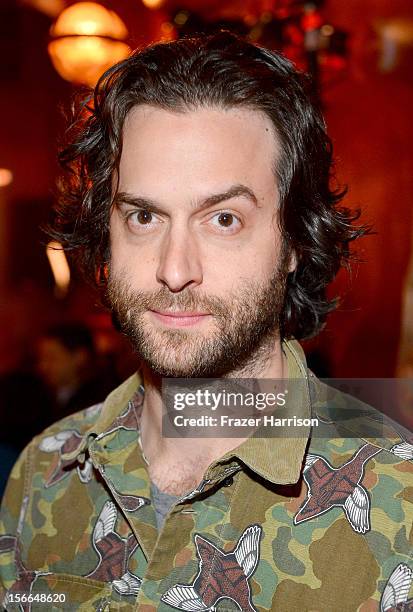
235, 191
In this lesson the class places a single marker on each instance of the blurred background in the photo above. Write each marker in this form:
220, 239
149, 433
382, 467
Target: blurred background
56, 343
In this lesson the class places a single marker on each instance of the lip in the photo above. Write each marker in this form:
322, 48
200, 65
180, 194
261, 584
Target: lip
179, 319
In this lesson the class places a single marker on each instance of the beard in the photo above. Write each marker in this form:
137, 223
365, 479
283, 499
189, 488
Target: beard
246, 326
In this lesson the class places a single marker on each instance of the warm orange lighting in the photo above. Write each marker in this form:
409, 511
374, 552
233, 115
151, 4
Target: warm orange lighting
89, 19
250, 19
82, 60
88, 39
168, 32
51, 8
181, 18
327, 30
60, 267
399, 30
6, 177
152, 4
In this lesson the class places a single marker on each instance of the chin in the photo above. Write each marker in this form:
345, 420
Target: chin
165, 370
173, 366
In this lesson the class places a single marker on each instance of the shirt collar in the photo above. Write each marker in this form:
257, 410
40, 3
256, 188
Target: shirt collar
280, 459
277, 459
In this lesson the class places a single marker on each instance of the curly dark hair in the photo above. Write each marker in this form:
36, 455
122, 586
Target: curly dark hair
220, 70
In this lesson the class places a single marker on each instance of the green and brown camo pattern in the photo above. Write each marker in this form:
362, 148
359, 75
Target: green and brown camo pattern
77, 519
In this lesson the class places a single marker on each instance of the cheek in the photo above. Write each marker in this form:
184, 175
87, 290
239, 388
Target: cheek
253, 265
133, 265
269, 249
137, 268
262, 253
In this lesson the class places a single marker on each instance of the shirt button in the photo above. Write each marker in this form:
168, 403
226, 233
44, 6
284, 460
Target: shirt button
228, 481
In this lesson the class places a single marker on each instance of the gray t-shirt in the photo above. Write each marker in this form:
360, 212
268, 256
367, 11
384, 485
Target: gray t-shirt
162, 502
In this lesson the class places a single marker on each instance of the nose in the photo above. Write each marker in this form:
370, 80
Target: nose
179, 265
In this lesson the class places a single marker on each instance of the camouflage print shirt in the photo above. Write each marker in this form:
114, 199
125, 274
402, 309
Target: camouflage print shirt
276, 524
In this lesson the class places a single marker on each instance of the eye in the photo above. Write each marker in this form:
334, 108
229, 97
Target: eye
142, 219
226, 222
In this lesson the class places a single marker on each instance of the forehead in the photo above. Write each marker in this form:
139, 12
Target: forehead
204, 147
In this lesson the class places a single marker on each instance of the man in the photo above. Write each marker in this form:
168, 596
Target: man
198, 195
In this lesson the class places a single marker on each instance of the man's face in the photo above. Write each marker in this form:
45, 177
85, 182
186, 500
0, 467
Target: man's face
197, 274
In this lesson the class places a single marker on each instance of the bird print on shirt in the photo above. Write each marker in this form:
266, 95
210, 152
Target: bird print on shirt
221, 575
65, 444
112, 551
396, 592
330, 487
403, 449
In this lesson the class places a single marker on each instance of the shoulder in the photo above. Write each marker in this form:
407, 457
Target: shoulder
89, 420
60, 448
342, 413
363, 453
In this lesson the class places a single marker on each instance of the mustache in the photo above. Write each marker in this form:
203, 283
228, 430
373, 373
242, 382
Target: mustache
163, 299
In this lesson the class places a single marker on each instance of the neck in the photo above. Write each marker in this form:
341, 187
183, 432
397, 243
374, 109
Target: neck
269, 363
